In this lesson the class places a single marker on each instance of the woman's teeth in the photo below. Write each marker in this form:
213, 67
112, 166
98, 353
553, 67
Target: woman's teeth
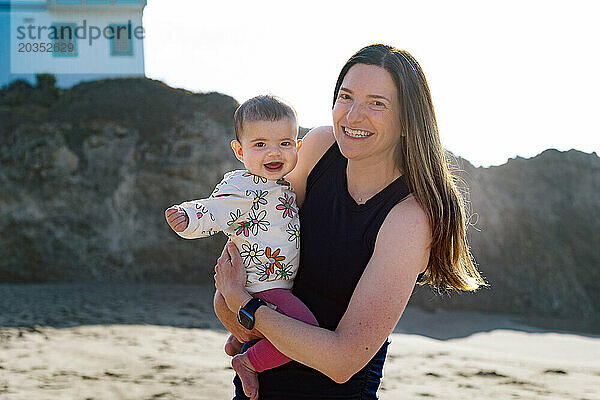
356, 133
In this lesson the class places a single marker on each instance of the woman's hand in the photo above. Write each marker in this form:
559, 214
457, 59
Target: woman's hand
230, 322
230, 278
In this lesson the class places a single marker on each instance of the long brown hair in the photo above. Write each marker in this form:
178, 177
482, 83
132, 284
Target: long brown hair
421, 158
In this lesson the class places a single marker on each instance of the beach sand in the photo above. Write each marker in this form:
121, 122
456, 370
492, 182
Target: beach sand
164, 342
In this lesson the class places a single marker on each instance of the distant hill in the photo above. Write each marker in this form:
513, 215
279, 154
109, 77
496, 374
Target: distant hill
87, 173
536, 236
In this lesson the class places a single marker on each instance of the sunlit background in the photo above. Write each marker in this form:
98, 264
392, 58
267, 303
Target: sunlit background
507, 78
100, 299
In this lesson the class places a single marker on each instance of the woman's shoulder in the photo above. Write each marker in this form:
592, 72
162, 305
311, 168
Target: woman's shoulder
407, 226
314, 144
410, 214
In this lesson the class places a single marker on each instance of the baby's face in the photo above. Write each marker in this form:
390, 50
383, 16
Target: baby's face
268, 148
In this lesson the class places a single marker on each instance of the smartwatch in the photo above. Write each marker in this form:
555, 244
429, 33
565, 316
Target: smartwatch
246, 314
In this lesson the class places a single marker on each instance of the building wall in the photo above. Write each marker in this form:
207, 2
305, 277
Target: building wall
4, 45
28, 30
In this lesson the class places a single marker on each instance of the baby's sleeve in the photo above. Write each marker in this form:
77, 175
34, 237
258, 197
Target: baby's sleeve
208, 216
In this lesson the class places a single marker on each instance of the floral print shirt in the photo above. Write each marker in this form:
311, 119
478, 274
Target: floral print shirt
261, 217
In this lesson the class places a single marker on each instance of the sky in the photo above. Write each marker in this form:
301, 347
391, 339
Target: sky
507, 78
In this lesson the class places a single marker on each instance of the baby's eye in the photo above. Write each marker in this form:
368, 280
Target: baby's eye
286, 143
259, 144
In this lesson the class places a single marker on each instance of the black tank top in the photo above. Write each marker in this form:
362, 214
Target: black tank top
337, 237
337, 240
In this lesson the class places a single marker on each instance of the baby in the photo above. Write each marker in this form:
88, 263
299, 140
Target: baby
256, 209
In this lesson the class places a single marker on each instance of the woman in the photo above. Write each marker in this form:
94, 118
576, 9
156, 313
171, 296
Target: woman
379, 208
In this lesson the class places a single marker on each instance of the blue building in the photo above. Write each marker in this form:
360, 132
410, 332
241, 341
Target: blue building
75, 40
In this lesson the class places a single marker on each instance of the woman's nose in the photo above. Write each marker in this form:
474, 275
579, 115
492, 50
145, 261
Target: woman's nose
355, 113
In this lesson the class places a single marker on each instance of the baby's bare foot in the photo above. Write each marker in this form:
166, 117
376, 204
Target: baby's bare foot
241, 364
232, 346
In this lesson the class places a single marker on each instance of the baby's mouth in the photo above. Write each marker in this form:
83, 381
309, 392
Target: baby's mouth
274, 166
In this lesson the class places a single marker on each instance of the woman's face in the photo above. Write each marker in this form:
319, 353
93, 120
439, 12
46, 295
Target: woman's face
366, 114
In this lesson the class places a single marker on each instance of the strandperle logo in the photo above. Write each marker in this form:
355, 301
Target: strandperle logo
84, 31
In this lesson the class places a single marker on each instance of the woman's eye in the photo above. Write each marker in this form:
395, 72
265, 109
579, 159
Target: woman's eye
344, 96
379, 104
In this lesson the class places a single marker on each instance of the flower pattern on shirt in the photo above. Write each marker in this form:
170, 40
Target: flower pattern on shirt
287, 206
283, 182
216, 190
210, 232
294, 231
273, 258
263, 272
202, 212
234, 216
258, 221
259, 197
243, 228
285, 272
255, 213
257, 179
251, 253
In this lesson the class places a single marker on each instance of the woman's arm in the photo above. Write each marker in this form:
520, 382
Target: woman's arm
401, 252
314, 144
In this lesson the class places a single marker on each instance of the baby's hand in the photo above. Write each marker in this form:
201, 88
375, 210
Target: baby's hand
176, 218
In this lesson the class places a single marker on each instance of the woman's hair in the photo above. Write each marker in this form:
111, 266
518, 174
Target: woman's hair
421, 158
262, 108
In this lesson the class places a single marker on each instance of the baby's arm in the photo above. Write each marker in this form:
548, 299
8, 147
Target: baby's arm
205, 217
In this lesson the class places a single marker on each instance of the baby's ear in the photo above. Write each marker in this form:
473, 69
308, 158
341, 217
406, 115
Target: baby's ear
237, 150
298, 144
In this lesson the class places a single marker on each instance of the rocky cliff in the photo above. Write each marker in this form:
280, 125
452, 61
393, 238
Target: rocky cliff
534, 235
86, 174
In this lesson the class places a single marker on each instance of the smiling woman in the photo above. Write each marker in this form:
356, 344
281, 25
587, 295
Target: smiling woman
378, 208
367, 124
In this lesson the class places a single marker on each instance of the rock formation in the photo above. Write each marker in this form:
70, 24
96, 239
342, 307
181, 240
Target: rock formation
86, 178
87, 172
534, 234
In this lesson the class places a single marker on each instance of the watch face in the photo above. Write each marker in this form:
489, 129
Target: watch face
246, 320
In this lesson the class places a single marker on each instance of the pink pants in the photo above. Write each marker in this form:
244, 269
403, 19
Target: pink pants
263, 355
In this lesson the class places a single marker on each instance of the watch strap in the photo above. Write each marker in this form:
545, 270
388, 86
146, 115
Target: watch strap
253, 305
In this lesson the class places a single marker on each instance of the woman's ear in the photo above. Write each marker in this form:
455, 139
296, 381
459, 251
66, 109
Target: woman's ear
237, 150
298, 144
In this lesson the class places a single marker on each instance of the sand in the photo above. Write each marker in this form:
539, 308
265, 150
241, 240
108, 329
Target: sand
163, 342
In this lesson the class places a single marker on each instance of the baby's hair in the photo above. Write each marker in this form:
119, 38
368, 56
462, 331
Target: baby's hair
262, 108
